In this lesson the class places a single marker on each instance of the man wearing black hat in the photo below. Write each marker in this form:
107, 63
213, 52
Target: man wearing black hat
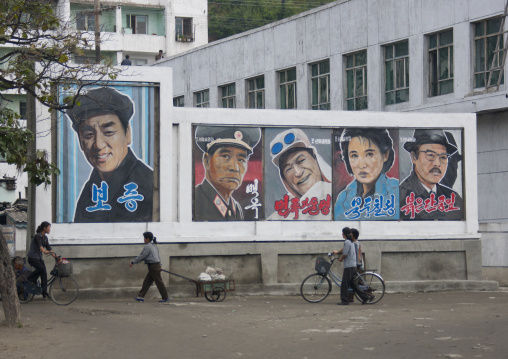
421, 194
226, 152
120, 187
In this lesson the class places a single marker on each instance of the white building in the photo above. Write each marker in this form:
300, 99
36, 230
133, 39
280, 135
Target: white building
390, 55
141, 28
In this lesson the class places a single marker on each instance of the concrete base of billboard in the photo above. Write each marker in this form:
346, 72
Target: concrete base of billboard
188, 291
279, 267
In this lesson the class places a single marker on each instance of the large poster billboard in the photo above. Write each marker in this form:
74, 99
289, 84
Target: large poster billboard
298, 174
366, 174
228, 175
431, 174
106, 154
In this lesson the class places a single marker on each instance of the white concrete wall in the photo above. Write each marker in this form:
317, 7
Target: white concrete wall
176, 225
347, 26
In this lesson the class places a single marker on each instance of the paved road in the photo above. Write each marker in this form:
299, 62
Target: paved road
421, 325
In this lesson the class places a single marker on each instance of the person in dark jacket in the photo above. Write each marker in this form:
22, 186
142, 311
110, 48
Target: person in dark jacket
38, 247
120, 186
422, 195
126, 61
150, 255
226, 152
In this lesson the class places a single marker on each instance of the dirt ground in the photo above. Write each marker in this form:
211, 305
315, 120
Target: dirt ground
421, 325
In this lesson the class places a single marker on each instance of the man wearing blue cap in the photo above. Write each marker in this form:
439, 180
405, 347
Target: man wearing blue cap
120, 187
422, 196
226, 152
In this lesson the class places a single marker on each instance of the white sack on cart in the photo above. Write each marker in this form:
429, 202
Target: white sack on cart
205, 277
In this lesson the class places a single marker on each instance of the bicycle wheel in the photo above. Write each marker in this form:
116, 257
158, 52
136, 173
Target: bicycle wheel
25, 297
373, 285
315, 288
63, 290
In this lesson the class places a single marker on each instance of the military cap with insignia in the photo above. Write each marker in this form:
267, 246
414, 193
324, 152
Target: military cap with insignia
101, 101
208, 138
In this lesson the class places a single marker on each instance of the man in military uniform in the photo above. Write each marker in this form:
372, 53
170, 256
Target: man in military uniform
422, 196
120, 186
226, 152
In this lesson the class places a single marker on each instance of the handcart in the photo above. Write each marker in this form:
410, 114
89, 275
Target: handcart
213, 290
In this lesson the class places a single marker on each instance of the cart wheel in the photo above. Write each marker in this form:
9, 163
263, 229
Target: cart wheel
218, 295
222, 294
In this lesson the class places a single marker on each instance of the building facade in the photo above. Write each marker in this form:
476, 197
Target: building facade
395, 55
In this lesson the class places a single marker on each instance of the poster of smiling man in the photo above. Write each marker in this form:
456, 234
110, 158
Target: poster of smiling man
366, 185
99, 141
297, 167
228, 175
431, 169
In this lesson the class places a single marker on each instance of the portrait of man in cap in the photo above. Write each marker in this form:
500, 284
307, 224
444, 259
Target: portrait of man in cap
120, 186
423, 196
304, 174
225, 158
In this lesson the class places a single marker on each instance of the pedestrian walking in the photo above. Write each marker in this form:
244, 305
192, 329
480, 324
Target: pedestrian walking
150, 254
348, 256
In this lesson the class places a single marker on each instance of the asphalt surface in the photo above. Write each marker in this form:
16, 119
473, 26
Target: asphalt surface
418, 325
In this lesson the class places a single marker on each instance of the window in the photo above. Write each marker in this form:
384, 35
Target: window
256, 92
183, 29
202, 98
137, 23
397, 73
228, 96
22, 110
441, 63
85, 21
356, 81
287, 88
485, 40
320, 84
178, 101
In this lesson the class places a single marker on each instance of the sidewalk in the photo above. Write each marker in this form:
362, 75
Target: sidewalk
421, 325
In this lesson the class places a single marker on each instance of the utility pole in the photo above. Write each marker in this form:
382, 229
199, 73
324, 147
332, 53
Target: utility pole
97, 12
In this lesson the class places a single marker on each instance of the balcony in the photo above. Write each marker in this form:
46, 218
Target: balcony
184, 38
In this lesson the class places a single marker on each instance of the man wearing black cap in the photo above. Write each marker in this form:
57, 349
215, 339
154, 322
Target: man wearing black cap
120, 187
421, 194
226, 152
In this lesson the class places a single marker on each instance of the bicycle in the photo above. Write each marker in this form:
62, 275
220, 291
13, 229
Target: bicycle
63, 289
316, 287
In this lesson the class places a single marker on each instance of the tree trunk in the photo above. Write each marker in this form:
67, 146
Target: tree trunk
8, 290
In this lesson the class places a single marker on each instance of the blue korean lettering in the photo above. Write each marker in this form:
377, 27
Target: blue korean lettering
131, 197
99, 197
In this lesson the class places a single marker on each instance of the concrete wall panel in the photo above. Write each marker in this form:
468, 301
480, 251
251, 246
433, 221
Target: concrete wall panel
393, 20
284, 37
317, 36
437, 14
353, 28
424, 266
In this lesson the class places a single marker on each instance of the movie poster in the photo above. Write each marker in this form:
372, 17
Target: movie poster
431, 174
105, 153
366, 174
298, 174
228, 173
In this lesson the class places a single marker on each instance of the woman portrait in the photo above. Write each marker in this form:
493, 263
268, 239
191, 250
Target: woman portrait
368, 155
